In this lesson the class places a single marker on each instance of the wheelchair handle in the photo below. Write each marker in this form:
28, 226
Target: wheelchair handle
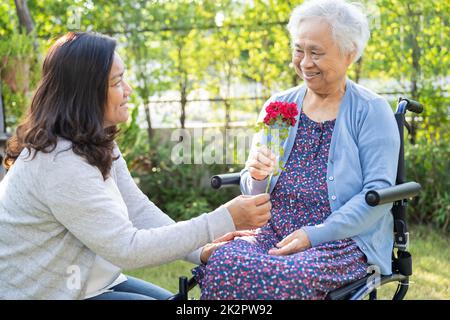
412, 105
392, 194
226, 179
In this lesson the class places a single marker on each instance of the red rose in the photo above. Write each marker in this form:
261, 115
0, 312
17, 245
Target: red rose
279, 111
287, 111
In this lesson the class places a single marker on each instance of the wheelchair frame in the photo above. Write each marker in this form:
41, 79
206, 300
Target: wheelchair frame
398, 194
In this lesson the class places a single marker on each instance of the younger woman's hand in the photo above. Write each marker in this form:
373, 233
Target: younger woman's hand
211, 247
249, 212
231, 235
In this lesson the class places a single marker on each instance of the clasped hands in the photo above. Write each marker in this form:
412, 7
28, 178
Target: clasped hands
297, 241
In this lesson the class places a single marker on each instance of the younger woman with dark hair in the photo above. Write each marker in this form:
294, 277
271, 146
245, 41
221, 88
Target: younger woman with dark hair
71, 215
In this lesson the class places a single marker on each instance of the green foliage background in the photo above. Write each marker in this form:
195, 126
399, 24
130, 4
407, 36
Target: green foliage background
179, 46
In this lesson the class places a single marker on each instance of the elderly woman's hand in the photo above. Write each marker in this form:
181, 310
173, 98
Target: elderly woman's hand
295, 242
261, 163
210, 247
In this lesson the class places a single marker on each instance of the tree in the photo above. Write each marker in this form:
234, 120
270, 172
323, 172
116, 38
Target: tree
18, 57
25, 21
146, 56
411, 45
267, 45
224, 49
187, 63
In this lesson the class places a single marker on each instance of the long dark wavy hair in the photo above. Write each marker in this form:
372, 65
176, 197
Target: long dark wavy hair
70, 102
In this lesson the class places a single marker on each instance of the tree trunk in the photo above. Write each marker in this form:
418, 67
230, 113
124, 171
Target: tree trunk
228, 95
227, 113
183, 107
183, 86
415, 78
414, 85
2, 111
294, 79
149, 121
358, 69
3, 135
25, 21
183, 100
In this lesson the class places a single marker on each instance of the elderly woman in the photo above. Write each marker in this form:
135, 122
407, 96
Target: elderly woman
322, 234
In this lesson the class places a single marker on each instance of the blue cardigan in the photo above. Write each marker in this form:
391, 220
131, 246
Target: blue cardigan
363, 155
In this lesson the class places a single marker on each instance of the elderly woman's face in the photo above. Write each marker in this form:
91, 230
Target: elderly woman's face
317, 58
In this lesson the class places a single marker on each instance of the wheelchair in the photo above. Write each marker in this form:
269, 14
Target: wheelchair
366, 287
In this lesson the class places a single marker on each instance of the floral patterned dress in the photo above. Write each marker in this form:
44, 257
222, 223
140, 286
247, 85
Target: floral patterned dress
243, 269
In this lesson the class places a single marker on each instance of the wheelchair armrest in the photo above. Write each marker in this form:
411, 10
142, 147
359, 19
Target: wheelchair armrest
392, 194
226, 179
185, 286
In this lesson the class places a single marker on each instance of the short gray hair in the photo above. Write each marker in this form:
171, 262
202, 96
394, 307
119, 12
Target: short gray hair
348, 23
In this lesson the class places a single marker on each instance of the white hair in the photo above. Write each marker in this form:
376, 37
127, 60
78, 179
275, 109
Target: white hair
348, 23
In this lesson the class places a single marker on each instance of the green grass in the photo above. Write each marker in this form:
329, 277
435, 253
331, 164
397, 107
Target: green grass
166, 276
430, 280
431, 266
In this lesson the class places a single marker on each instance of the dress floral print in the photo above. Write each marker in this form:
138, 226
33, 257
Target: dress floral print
243, 269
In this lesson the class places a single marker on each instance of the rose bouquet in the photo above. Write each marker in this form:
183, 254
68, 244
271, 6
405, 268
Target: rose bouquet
280, 116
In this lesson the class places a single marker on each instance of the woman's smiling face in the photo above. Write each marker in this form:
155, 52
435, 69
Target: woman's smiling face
317, 58
116, 110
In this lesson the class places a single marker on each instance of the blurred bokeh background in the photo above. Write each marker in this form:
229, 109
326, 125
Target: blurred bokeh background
209, 65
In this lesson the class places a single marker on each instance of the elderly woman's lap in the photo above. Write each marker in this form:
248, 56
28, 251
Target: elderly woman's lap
244, 270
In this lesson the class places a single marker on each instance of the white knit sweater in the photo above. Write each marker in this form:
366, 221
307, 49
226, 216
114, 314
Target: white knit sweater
56, 215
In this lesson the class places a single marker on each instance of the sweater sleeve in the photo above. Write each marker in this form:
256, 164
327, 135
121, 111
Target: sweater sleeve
143, 213
378, 145
77, 197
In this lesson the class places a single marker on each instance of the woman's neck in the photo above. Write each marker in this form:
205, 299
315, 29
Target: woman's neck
321, 106
332, 95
